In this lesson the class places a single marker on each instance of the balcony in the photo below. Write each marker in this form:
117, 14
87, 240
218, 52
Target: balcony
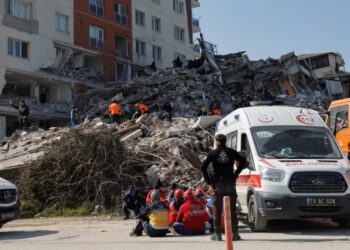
195, 4
195, 25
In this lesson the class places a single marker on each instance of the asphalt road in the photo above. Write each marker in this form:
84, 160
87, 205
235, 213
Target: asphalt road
104, 234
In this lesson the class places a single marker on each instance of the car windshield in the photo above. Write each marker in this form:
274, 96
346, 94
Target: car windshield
277, 142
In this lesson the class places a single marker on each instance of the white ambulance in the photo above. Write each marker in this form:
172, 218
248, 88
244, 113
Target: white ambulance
296, 168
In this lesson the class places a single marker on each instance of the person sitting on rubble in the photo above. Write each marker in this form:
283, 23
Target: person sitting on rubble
200, 196
175, 206
153, 219
142, 109
23, 113
168, 112
192, 216
177, 63
131, 201
74, 116
159, 186
202, 111
115, 112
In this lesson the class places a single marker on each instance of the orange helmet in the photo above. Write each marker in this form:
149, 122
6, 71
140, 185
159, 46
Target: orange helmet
188, 195
199, 192
178, 194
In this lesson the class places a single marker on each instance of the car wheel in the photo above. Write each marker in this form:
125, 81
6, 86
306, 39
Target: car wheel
256, 222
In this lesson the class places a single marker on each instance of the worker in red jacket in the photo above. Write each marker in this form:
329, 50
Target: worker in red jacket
192, 216
200, 196
175, 206
159, 187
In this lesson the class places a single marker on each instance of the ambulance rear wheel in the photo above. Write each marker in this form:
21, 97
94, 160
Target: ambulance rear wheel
256, 222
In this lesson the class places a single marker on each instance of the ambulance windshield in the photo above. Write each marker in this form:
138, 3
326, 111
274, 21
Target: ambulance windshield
281, 142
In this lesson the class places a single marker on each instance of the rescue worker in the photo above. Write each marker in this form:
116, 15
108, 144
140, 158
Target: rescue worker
215, 107
115, 112
23, 113
171, 195
175, 206
74, 116
192, 216
153, 219
177, 63
131, 201
168, 110
216, 111
223, 182
159, 187
142, 109
202, 111
200, 196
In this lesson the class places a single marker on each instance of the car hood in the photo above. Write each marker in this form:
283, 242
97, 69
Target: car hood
5, 184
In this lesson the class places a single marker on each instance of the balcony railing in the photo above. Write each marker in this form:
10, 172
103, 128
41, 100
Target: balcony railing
195, 22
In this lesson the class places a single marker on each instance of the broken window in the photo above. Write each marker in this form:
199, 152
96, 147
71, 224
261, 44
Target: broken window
178, 6
182, 57
140, 48
96, 37
61, 22
179, 33
156, 24
96, 7
122, 46
320, 62
121, 14
18, 9
140, 17
157, 53
17, 48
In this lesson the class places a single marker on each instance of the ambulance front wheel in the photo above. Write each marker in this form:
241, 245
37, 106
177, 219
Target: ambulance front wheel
256, 222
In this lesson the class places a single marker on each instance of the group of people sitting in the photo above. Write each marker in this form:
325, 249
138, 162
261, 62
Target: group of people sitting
184, 211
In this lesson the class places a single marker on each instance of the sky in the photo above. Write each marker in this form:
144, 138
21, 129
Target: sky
271, 28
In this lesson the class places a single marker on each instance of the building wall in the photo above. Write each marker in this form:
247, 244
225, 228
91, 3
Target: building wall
331, 69
164, 39
83, 18
40, 32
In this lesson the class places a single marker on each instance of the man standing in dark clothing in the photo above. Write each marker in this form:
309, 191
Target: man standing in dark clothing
224, 182
168, 110
177, 63
131, 201
23, 113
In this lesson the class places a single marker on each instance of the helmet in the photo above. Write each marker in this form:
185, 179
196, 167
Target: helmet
199, 192
188, 195
178, 194
155, 196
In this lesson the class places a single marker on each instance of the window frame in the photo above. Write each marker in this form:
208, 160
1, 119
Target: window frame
179, 33
333, 114
66, 18
11, 9
157, 53
155, 21
17, 46
119, 16
99, 8
178, 6
97, 29
141, 52
138, 14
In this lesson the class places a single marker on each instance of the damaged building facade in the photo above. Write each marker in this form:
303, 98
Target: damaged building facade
163, 30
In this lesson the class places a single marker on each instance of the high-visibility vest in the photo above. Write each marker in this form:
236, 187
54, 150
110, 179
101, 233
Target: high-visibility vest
115, 109
142, 108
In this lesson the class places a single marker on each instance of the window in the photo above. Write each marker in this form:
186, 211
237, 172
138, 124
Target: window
245, 147
96, 7
338, 118
140, 17
320, 62
179, 33
231, 141
182, 57
122, 46
96, 37
17, 48
61, 22
178, 6
140, 48
18, 9
157, 53
121, 14
156, 24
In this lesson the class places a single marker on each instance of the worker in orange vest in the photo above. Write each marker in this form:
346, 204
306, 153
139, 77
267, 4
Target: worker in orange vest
142, 109
216, 111
115, 112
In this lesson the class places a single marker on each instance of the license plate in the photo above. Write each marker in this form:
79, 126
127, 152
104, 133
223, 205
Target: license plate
320, 202
7, 216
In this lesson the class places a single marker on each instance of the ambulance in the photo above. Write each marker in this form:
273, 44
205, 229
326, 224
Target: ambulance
296, 168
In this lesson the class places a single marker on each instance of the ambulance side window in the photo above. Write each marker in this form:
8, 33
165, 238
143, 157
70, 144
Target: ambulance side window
338, 119
231, 141
246, 147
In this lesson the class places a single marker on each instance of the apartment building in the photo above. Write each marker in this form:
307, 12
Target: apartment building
32, 34
163, 30
104, 26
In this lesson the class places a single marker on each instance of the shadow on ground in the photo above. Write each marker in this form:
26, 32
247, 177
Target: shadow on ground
21, 235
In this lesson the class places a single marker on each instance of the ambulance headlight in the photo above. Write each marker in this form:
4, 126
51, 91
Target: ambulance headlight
274, 175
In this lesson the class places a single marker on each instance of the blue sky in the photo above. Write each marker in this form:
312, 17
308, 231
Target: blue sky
270, 28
